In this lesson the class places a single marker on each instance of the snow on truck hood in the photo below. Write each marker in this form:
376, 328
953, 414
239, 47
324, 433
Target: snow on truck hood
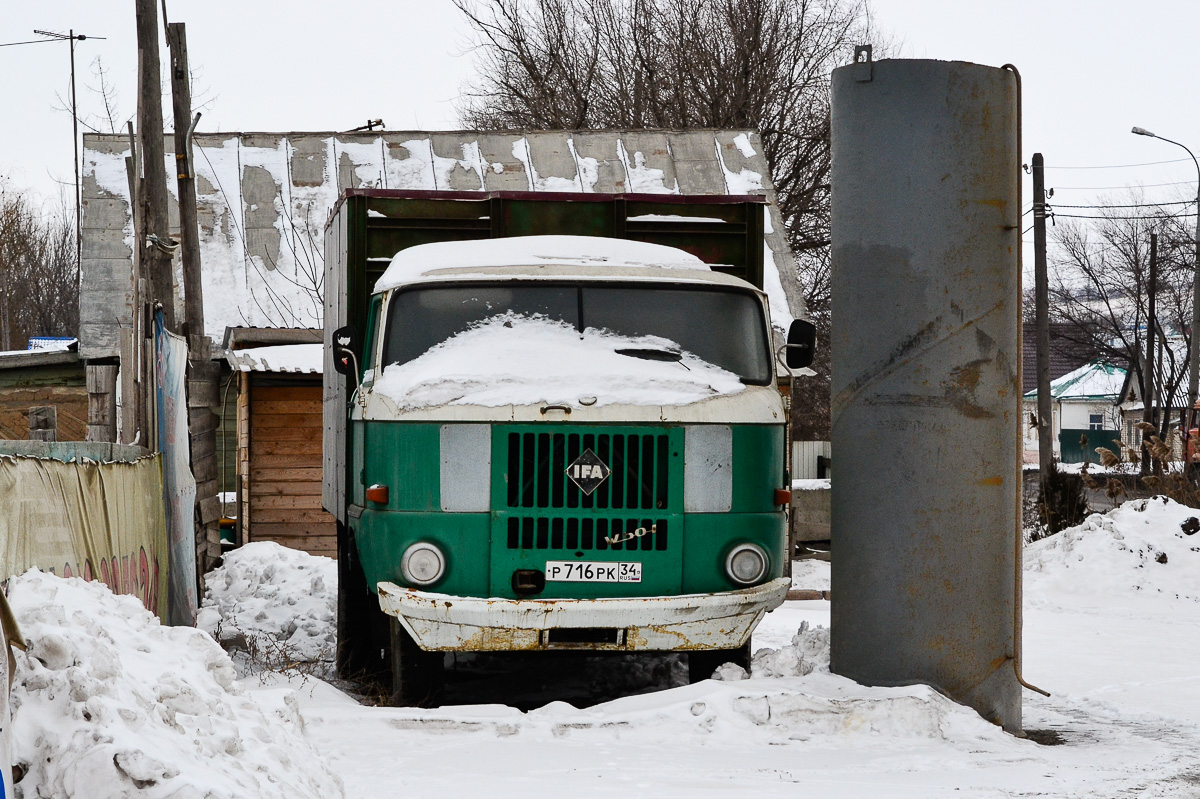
522, 360
423, 260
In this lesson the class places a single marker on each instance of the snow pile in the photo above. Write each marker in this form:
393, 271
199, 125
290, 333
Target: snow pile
109, 703
274, 606
1146, 546
808, 652
585, 251
797, 700
790, 690
526, 360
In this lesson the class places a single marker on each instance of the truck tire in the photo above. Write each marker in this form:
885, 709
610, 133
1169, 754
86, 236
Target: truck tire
358, 618
703, 662
418, 677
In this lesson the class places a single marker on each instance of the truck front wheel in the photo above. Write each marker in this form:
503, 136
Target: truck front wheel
417, 675
358, 617
703, 662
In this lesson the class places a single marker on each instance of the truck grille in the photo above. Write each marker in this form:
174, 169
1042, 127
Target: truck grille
530, 532
537, 464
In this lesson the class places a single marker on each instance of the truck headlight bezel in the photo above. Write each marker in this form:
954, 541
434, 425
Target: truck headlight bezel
737, 558
418, 568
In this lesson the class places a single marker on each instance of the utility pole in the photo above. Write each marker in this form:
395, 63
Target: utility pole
203, 374
155, 239
75, 142
189, 235
73, 37
1148, 366
1042, 322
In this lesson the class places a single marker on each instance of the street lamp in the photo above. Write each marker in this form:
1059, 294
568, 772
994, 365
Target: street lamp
1194, 360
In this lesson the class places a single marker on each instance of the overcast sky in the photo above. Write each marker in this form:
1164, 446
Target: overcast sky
1090, 71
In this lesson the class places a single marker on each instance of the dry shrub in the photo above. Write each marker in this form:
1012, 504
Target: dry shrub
1171, 479
1062, 502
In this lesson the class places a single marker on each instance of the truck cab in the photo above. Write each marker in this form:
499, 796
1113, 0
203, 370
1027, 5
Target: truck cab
558, 441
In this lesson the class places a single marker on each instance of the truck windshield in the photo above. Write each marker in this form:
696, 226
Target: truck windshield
721, 326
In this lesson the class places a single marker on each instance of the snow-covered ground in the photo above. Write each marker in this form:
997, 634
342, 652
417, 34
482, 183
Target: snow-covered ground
1112, 630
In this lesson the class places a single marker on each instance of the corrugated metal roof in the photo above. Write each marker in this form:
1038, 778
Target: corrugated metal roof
284, 358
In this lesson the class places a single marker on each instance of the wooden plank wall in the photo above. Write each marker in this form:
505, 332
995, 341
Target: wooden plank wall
71, 402
284, 470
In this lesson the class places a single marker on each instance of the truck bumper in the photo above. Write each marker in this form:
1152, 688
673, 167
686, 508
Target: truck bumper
440, 622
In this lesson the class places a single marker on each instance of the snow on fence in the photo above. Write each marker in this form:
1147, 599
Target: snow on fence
89, 510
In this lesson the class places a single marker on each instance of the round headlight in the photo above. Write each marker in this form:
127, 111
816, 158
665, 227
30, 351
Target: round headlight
746, 564
422, 564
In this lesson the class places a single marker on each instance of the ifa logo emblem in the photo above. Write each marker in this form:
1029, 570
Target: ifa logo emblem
588, 472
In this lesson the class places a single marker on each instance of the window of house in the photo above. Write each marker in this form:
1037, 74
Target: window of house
1095, 421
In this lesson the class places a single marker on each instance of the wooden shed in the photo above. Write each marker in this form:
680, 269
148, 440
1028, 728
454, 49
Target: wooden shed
279, 438
52, 380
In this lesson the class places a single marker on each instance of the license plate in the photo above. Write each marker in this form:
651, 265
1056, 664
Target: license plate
574, 571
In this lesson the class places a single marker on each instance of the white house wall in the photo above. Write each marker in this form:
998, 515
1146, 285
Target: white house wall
1074, 415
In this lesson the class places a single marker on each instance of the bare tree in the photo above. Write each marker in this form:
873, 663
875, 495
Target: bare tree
39, 276
678, 64
1099, 297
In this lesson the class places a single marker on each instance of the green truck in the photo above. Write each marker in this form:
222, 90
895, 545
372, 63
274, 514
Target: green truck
552, 421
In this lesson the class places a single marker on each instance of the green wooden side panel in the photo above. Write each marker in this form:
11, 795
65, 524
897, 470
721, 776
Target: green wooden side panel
541, 218
227, 435
732, 242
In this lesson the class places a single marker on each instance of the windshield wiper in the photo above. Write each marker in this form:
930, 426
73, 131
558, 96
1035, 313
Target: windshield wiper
651, 354
654, 354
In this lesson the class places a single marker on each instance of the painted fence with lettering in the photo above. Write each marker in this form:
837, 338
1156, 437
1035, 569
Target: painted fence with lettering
85, 510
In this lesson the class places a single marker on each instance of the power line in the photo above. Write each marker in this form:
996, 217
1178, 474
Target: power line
1120, 166
34, 41
1134, 205
1138, 186
1146, 218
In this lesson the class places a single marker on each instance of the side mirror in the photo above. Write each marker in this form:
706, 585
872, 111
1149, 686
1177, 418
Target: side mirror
801, 344
345, 351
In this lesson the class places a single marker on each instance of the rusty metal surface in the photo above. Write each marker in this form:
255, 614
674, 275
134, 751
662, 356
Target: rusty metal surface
655, 624
926, 391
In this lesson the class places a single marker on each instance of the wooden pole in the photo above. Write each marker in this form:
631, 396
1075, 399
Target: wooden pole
133, 389
1148, 366
203, 374
1042, 322
189, 236
156, 241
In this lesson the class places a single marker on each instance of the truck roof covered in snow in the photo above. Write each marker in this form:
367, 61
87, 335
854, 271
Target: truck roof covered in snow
548, 258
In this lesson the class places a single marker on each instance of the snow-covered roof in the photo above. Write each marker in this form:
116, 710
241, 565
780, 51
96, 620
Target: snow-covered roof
1093, 381
585, 252
264, 199
295, 358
